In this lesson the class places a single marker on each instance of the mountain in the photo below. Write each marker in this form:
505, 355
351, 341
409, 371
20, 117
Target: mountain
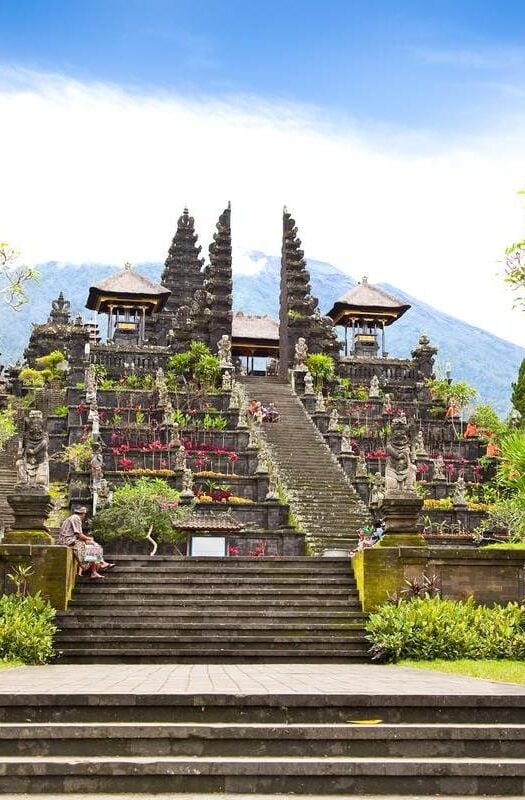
468, 349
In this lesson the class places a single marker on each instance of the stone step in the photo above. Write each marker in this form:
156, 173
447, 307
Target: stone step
226, 605
278, 582
267, 774
238, 739
214, 655
214, 628
270, 707
248, 589
221, 641
214, 617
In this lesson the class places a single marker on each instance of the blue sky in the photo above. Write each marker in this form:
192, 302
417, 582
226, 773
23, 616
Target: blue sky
393, 129
430, 64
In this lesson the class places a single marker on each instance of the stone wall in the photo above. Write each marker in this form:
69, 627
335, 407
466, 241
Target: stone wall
490, 576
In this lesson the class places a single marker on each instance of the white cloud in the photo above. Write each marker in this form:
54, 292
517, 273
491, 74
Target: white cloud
95, 173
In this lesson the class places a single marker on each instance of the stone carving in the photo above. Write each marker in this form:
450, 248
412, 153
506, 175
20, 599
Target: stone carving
361, 469
308, 383
91, 384
301, 352
60, 309
187, 483
226, 381
180, 458
94, 418
346, 441
377, 490
420, 444
224, 348
387, 404
460, 489
373, 391
439, 469
105, 495
162, 388
32, 465
400, 473
333, 424
273, 489
95, 468
320, 404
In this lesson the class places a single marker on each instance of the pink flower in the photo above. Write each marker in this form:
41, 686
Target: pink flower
233, 457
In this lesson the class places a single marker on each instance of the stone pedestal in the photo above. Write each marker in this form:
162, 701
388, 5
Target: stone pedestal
400, 512
31, 509
441, 488
362, 488
348, 462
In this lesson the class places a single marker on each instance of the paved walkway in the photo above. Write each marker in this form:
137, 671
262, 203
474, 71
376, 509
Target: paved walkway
243, 679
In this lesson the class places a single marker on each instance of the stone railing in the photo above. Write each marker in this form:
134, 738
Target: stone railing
140, 361
387, 370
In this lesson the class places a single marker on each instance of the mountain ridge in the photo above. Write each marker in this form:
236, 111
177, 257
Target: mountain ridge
258, 293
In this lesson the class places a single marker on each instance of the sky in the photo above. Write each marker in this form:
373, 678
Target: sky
394, 132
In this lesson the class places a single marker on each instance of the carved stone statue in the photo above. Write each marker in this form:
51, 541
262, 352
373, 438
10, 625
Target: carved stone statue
346, 441
187, 483
227, 381
387, 404
333, 424
91, 384
373, 391
224, 348
93, 417
162, 388
460, 489
301, 352
32, 465
180, 458
377, 490
420, 444
308, 384
105, 495
439, 469
400, 473
95, 468
361, 469
320, 404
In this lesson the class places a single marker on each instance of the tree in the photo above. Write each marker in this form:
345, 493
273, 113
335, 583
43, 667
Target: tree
518, 391
13, 279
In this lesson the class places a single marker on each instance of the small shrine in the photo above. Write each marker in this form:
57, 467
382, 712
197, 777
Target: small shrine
127, 298
367, 311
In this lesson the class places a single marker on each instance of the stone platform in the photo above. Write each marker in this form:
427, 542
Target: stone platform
238, 729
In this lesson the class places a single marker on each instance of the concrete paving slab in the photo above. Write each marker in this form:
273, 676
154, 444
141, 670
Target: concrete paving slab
244, 679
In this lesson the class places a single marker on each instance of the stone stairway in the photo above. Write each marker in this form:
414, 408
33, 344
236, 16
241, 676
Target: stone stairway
322, 499
84, 742
7, 481
197, 610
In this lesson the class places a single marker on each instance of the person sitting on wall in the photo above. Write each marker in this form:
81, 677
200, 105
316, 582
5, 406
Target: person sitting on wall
378, 531
89, 554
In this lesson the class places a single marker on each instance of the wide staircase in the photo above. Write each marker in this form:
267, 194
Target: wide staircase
88, 742
321, 497
176, 610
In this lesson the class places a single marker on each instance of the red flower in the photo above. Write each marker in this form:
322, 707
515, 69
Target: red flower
125, 464
233, 457
233, 551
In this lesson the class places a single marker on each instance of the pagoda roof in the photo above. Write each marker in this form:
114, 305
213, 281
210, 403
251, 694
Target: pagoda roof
366, 300
209, 522
255, 335
127, 285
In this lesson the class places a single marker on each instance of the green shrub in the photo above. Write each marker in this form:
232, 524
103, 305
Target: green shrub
26, 629
7, 426
60, 411
137, 507
426, 628
321, 367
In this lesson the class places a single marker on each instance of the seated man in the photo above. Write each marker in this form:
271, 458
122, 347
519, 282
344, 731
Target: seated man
88, 553
378, 531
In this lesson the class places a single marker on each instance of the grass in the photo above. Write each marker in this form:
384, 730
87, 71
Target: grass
506, 546
15, 663
505, 671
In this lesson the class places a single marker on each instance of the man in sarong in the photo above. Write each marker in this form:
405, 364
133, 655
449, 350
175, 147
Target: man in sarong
88, 553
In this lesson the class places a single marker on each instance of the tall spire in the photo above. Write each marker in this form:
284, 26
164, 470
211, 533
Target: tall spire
299, 314
219, 280
182, 273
